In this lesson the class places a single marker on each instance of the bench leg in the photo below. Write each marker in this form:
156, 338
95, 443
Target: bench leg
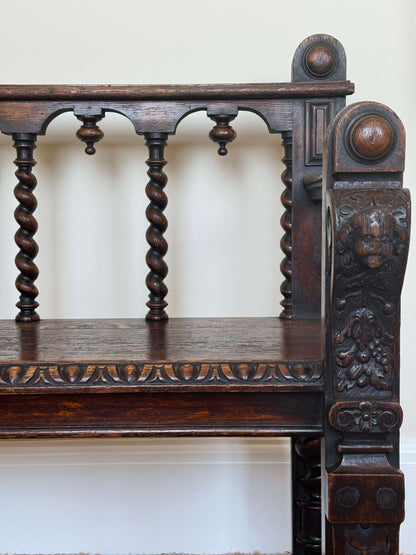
358, 540
306, 495
366, 218
364, 501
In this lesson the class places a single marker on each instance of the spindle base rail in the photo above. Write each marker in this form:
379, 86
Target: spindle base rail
326, 373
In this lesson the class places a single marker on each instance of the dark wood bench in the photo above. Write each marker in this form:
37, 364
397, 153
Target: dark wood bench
327, 377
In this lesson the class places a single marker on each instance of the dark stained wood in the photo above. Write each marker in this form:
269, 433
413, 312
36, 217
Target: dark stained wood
242, 376
317, 58
174, 92
227, 354
25, 145
147, 116
156, 143
89, 132
367, 216
187, 339
286, 222
121, 414
222, 133
306, 495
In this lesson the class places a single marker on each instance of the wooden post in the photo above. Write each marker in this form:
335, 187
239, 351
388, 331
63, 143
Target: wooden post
366, 215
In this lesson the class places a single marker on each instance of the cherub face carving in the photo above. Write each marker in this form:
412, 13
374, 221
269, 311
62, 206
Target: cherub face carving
373, 237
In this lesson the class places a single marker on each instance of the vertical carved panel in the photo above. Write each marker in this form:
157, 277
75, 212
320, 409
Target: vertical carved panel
286, 222
367, 217
318, 117
156, 143
24, 144
369, 261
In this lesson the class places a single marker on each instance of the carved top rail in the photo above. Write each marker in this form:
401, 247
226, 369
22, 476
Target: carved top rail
175, 92
152, 109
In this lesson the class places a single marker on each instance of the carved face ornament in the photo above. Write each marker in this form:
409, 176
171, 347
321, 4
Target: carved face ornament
374, 237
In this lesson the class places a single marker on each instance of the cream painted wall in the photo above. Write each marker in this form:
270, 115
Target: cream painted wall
90, 208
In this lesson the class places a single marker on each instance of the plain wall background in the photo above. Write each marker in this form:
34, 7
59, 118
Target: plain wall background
91, 209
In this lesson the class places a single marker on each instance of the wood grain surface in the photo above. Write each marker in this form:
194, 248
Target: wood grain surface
178, 339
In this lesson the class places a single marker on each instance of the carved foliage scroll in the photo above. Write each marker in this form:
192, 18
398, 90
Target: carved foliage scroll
370, 250
365, 416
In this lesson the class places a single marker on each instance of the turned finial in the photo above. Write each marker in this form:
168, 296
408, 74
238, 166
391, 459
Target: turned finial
320, 60
319, 57
371, 137
89, 132
222, 133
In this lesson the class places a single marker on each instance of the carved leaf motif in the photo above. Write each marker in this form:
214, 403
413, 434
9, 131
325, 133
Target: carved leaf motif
243, 371
13, 374
261, 371
71, 373
169, 372
127, 373
226, 372
185, 372
157, 374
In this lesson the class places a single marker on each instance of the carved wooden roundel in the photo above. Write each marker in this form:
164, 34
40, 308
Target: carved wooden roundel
371, 138
348, 496
386, 498
320, 60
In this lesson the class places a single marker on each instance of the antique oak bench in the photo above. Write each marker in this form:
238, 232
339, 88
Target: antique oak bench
326, 373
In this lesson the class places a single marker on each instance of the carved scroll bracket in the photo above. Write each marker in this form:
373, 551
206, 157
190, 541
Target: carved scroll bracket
365, 416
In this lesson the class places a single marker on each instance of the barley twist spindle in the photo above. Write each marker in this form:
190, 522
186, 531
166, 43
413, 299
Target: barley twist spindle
156, 143
24, 144
286, 223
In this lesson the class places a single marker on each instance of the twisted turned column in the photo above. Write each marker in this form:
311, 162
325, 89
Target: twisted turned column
286, 223
24, 144
306, 493
156, 143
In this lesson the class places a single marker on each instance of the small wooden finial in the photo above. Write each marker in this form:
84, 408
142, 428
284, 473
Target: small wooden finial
371, 137
222, 133
320, 60
89, 132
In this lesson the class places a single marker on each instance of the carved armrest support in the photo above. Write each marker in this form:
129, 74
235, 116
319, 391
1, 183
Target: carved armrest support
366, 217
